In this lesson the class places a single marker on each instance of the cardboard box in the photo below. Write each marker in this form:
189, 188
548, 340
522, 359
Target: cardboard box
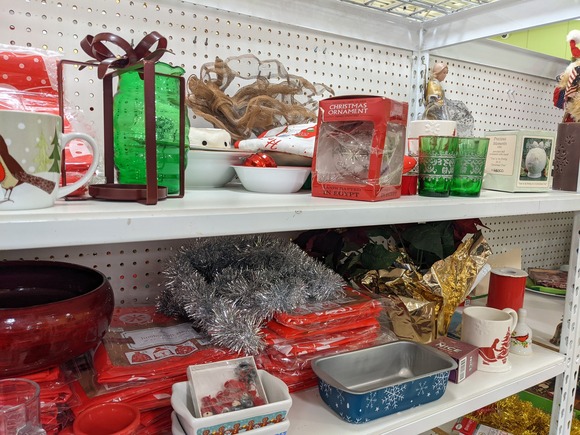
467, 426
464, 354
359, 149
519, 160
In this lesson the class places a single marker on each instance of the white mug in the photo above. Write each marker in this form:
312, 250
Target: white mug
31, 147
490, 330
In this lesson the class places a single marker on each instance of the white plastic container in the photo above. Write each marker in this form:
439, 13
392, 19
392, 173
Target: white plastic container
279, 429
279, 403
210, 381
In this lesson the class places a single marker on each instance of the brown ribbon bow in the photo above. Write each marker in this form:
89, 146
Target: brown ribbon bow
95, 47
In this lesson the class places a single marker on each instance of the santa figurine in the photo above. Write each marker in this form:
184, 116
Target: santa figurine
566, 95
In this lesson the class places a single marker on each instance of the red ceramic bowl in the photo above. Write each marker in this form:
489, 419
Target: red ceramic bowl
50, 312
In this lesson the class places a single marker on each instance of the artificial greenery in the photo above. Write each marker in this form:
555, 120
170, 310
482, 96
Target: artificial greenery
351, 252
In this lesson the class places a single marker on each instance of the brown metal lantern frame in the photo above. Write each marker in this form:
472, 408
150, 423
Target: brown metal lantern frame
147, 70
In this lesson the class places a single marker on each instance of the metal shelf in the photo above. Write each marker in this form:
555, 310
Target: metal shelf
476, 391
330, 41
205, 213
309, 415
338, 17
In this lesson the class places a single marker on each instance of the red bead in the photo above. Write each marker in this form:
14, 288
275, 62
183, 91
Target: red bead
235, 385
259, 401
206, 401
261, 160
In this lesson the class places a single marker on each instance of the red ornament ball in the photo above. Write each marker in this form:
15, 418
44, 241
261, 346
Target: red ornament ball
260, 160
409, 163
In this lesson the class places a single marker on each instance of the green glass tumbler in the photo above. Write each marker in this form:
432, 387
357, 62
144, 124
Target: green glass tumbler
469, 166
436, 164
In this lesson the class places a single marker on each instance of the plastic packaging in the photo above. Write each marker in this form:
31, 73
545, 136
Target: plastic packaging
142, 344
276, 333
225, 386
129, 127
359, 148
29, 83
295, 369
352, 305
56, 398
146, 395
20, 407
295, 139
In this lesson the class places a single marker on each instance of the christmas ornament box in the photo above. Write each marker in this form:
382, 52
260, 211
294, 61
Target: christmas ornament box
512, 153
359, 148
275, 411
374, 382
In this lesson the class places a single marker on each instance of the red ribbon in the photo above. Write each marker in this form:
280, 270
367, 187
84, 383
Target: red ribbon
95, 46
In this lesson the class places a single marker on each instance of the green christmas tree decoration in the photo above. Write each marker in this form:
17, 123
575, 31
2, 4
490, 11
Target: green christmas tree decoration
55, 155
42, 159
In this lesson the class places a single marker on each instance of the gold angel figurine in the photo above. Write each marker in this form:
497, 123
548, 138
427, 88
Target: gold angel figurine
435, 102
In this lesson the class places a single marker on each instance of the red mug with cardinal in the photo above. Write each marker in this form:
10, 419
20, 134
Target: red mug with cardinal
31, 147
490, 330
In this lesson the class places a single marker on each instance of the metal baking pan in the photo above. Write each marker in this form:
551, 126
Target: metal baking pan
366, 384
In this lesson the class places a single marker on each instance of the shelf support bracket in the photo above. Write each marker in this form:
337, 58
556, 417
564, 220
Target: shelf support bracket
565, 388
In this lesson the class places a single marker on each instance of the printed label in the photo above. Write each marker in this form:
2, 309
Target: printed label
171, 335
501, 155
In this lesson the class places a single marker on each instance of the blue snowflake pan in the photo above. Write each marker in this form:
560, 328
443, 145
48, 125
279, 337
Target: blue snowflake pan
367, 384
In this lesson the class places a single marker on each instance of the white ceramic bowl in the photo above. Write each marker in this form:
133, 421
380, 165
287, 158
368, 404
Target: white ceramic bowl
283, 179
211, 168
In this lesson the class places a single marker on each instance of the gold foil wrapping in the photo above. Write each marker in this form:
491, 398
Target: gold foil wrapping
420, 306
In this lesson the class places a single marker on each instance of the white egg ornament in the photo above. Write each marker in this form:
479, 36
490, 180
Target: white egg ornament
536, 160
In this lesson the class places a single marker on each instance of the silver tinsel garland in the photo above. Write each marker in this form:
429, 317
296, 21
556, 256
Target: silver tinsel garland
230, 286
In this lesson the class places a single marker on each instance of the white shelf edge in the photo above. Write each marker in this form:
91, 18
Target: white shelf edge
328, 16
496, 19
507, 57
309, 415
229, 211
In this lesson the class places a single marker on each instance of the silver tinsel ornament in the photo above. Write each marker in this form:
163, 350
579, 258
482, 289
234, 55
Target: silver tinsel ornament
230, 286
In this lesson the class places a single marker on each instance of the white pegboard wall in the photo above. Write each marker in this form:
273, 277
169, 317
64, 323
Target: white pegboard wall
544, 239
197, 35
501, 100
135, 270
497, 99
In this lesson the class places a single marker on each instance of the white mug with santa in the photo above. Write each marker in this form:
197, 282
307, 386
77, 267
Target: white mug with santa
490, 330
